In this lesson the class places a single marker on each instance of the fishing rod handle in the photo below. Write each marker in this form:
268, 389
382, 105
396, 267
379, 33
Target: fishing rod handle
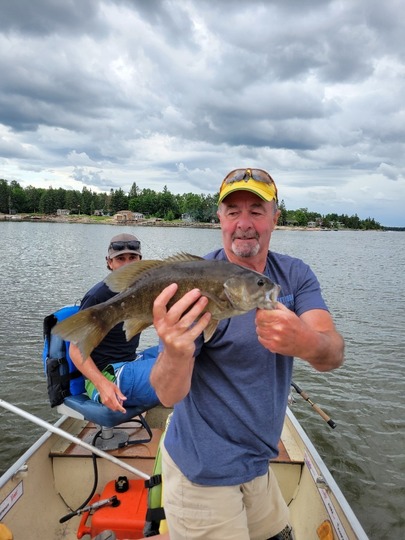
327, 418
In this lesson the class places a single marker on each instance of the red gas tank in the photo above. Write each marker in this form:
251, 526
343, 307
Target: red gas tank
127, 520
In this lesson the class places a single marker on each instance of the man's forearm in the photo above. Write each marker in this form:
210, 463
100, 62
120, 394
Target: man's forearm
171, 378
110, 394
328, 352
87, 367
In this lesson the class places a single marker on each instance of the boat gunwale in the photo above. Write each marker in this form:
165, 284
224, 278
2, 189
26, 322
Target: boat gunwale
308, 449
327, 476
22, 460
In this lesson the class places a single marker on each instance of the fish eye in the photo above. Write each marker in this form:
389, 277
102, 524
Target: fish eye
260, 282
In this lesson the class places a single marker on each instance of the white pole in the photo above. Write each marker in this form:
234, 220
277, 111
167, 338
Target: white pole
71, 438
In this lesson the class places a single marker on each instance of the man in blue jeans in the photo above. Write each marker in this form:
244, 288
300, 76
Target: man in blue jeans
230, 394
114, 374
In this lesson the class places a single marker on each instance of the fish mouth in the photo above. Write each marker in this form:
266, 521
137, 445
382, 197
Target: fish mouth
272, 295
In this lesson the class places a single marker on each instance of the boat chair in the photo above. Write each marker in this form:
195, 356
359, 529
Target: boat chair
84, 408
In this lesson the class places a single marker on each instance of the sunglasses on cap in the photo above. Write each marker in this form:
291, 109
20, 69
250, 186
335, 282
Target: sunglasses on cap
239, 175
133, 245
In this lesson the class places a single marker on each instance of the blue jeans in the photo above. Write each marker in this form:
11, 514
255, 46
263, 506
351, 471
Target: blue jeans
132, 378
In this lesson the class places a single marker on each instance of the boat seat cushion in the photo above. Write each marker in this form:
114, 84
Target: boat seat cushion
82, 407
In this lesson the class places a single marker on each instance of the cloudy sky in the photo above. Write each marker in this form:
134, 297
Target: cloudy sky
169, 92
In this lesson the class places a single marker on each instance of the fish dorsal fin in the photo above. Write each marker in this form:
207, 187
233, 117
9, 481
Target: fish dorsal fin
183, 257
124, 277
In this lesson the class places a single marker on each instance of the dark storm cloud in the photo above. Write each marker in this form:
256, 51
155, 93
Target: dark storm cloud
180, 92
40, 18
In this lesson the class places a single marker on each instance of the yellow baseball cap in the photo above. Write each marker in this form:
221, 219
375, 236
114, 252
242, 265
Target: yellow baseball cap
257, 181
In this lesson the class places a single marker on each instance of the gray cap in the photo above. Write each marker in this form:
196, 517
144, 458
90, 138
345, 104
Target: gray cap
124, 243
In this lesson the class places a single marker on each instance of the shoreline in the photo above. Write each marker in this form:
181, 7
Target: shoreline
107, 220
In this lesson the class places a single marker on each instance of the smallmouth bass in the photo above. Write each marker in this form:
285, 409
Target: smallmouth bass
231, 290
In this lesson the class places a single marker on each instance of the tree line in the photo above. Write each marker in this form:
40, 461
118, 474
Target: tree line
150, 203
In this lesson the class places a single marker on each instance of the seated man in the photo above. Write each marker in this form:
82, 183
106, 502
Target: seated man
115, 375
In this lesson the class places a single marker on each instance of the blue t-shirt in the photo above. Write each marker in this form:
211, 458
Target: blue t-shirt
225, 431
114, 347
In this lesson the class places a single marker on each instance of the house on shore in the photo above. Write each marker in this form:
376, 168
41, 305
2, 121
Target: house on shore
126, 216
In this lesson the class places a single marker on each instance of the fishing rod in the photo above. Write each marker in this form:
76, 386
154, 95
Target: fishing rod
71, 438
305, 396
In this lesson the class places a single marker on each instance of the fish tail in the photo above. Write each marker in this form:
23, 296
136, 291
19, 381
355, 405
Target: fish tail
86, 329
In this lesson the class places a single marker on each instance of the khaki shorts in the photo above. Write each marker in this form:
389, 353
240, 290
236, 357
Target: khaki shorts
252, 511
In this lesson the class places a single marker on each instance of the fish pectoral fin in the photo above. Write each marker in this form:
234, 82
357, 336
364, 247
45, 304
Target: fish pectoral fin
210, 329
134, 326
221, 303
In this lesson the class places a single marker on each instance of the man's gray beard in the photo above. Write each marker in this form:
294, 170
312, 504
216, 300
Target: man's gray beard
245, 253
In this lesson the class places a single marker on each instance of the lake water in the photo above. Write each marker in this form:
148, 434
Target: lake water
44, 266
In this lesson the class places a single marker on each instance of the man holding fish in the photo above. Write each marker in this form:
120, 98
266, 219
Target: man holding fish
230, 392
